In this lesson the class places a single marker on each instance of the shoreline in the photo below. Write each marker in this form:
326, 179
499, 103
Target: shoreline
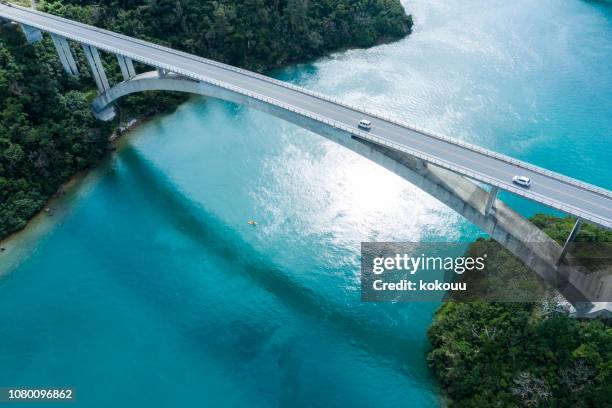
50, 207
49, 204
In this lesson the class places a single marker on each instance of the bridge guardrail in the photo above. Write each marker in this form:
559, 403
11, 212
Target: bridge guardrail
447, 139
382, 141
348, 129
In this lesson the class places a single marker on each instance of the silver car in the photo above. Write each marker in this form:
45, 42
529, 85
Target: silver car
365, 124
522, 181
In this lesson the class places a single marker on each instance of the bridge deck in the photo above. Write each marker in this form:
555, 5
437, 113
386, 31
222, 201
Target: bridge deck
552, 189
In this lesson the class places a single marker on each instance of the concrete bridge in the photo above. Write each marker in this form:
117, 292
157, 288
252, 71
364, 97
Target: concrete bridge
444, 167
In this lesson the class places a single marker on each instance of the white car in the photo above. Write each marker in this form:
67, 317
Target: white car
522, 181
365, 124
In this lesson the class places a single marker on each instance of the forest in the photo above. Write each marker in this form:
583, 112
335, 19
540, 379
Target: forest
47, 131
527, 354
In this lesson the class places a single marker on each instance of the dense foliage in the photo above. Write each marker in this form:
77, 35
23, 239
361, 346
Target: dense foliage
559, 228
256, 34
509, 355
504, 277
47, 132
522, 354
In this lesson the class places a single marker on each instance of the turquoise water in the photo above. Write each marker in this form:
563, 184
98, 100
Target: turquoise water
148, 287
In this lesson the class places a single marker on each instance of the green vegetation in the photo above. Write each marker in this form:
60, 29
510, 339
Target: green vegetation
559, 228
504, 277
508, 355
522, 354
47, 132
256, 34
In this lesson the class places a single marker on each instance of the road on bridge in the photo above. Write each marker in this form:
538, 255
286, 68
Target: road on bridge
573, 197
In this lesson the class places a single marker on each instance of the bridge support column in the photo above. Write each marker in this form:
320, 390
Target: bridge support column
97, 70
32, 34
106, 114
65, 55
491, 200
127, 67
162, 73
569, 240
421, 165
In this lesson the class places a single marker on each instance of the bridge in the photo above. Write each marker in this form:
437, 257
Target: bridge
442, 166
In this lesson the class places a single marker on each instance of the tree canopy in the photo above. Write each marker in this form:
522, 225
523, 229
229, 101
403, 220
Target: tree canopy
522, 354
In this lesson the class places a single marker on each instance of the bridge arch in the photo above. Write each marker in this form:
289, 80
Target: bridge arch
510, 229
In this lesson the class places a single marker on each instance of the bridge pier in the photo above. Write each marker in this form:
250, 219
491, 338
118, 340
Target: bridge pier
420, 165
127, 67
491, 200
32, 34
570, 238
97, 69
106, 114
162, 73
65, 55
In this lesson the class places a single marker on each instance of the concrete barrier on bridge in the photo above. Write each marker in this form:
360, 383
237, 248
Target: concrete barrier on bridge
510, 229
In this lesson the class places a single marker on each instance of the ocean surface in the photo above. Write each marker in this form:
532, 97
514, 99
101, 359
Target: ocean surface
148, 288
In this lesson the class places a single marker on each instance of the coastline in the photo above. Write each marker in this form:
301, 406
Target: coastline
51, 206
18, 244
